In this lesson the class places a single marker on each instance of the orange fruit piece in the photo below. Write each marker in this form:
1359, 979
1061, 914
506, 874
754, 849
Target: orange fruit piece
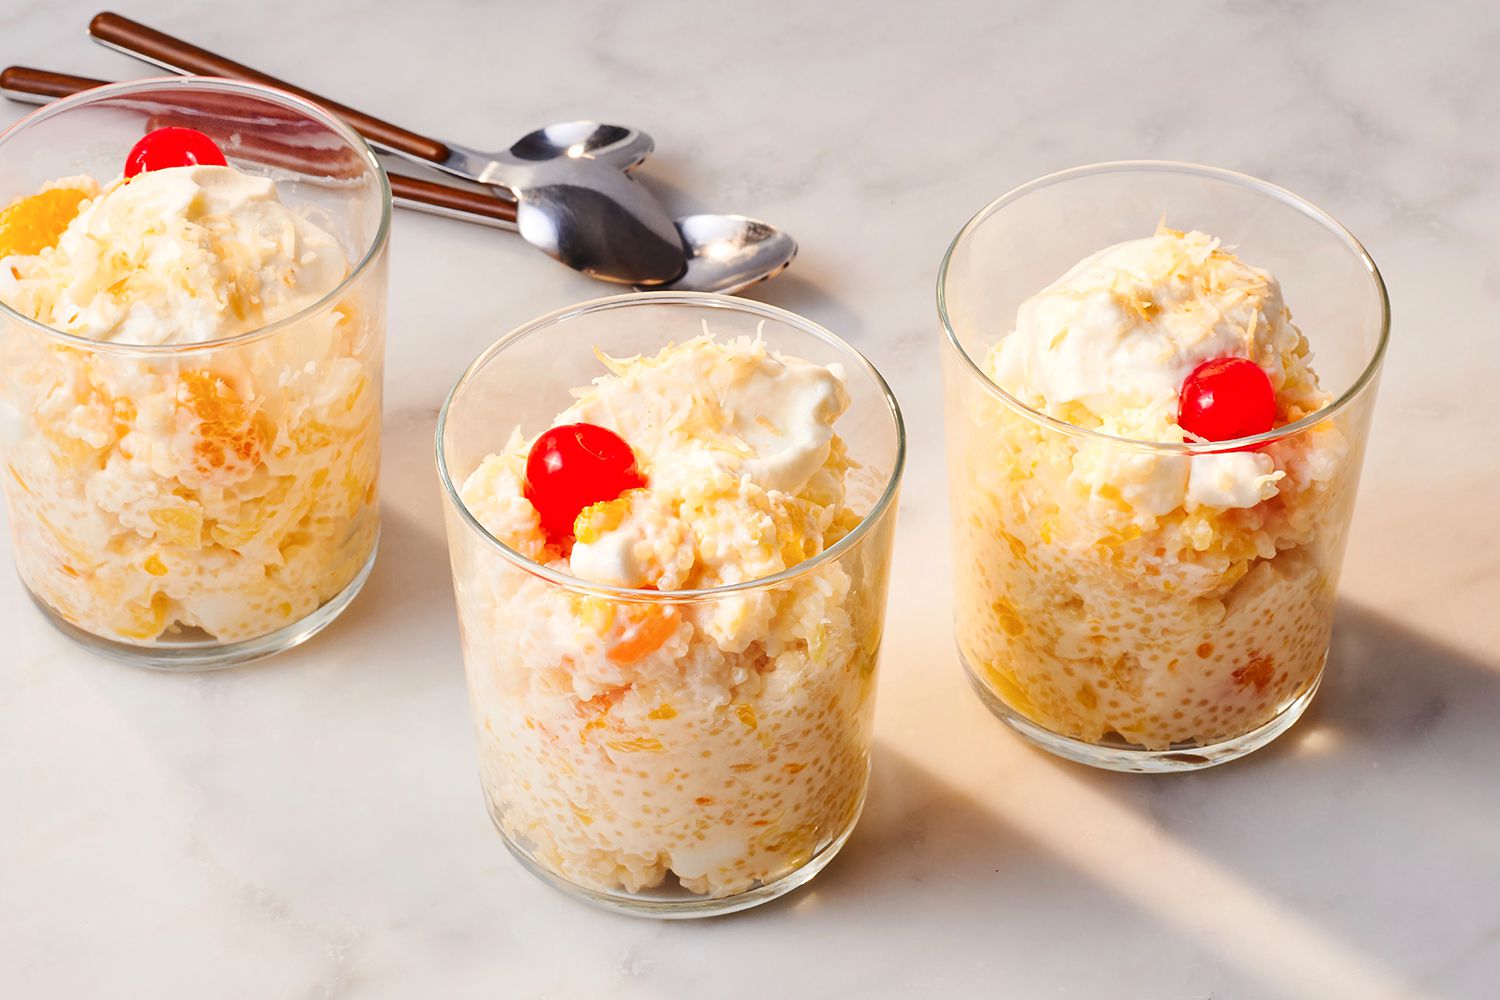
644, 636
32, 224
227, 436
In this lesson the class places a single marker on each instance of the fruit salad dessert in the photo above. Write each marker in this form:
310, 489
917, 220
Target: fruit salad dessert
640, 726
1144, 597
196, 460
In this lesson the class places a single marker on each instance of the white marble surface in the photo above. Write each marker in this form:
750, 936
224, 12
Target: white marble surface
312, 827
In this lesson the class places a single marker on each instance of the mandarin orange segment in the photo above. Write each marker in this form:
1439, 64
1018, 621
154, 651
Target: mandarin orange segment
227, 436
1259, 672
32, 224
644, 636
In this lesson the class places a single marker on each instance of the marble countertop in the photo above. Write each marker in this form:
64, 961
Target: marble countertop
311, 827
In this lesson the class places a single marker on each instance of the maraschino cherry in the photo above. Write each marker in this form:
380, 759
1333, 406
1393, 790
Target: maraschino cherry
1226, 398
172, 147
573, 466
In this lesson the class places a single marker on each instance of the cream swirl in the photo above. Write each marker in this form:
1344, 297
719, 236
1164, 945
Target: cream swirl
1108, 345
744, 472
177, 256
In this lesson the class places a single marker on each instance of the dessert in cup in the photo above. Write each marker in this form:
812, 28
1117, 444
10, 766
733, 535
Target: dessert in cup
671, 587
1152, 467
190, 364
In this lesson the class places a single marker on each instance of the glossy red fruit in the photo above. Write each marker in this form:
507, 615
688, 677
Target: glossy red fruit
172, 147
1226, 398
573, 466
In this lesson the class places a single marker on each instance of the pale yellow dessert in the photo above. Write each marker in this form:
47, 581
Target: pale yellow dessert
1128, 596
159, 489
714, 744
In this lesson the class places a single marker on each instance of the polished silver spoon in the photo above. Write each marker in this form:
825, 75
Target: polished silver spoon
573, 205
621, 147
725, 253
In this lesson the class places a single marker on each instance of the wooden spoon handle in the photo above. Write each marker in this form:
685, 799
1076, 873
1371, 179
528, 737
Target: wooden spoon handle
38, 86
25, 82
454, 199
147, 43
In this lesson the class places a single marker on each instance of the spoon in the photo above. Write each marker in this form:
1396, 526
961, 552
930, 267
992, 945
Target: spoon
621, 147
725, 253
575, 206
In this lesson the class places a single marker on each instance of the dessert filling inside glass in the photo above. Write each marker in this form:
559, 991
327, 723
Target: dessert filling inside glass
721, 740
1121, 592
219, 493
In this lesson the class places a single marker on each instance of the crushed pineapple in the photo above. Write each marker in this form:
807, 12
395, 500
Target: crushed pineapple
226, 441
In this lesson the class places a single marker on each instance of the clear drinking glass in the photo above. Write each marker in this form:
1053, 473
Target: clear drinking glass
199, 505
1203, 638
694, 797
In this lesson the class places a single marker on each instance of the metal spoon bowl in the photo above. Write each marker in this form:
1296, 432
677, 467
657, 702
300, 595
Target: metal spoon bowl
620, 147
727, 253
595, 219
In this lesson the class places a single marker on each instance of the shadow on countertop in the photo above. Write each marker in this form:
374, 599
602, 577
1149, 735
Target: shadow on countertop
1355, 857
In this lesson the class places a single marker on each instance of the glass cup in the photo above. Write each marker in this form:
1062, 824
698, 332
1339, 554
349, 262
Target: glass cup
732, 775
199, 505
1202, 635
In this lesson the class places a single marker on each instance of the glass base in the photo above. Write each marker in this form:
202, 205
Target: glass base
1123, 756
208, 653
680, 904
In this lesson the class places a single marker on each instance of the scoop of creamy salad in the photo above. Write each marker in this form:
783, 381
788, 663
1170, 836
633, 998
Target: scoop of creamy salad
177, 256
1109, 345
743, 473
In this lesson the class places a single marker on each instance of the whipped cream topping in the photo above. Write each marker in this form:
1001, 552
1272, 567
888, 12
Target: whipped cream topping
1108, 345
639, 541
734, 407
611, 560
1153, 484
753, 420
177, 256
1232, 479
745, 476
784, 409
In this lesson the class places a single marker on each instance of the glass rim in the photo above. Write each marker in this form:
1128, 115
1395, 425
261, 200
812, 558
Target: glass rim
213, 83
1280, 194
706, 300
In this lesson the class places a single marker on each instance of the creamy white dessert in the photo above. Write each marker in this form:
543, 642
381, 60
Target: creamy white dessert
1116, 593
636, 742
184, 492
179, 256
